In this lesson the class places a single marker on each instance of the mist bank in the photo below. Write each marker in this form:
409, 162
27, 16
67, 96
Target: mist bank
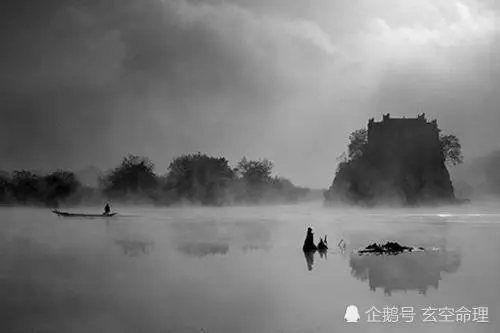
191, 179
479, 178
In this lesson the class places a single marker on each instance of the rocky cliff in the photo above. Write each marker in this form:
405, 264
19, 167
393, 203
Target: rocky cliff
402, 163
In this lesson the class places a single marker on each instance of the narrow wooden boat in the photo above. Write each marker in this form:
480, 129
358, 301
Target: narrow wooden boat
66, 214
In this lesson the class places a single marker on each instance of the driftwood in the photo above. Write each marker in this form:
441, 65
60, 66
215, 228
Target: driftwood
309, 245
323, 244
389, 248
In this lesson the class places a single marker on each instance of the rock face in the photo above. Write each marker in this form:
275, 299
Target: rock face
402, 163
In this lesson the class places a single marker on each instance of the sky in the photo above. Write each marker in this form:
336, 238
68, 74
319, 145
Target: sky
85, 82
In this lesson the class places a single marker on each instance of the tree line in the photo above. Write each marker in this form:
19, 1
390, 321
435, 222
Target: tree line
190, 179
358, 143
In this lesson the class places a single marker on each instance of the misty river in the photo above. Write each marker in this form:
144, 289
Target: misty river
242, 269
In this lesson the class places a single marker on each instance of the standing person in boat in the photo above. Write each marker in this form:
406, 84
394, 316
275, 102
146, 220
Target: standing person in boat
107, 210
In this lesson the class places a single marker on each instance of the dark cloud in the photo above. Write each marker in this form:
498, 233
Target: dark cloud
84, 82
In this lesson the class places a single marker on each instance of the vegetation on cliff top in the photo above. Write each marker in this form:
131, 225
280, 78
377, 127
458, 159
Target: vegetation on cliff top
358, 140
357, 175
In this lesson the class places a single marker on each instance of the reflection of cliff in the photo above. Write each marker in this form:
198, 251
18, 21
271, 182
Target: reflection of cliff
402, 162
410, 271
134, 248
203, 249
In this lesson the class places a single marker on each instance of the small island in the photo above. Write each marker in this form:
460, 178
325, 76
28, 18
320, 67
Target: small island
397, 161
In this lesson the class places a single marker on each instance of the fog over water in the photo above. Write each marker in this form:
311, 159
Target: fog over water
242, 269
84, 83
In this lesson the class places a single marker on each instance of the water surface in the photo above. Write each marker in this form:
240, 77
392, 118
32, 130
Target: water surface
242, 269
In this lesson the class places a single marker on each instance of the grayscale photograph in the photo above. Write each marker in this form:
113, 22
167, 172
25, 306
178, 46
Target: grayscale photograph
249, 166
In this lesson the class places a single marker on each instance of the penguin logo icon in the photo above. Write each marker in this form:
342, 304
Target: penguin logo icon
351, 314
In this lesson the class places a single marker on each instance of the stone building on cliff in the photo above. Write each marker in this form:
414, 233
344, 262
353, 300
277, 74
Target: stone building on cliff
402, 162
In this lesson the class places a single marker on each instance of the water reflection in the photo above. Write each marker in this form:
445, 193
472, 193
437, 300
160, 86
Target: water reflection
130, 237
215, 237
255, 247
323, 255
133, 248
309, 255
203, 249
255, 236
410, 271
